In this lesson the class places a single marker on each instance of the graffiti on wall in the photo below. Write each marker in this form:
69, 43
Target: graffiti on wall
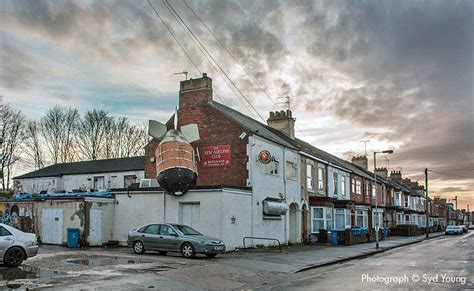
18, 215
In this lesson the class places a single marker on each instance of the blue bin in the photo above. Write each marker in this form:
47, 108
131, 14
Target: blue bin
356, 230
386, 232
73, 237
334, 237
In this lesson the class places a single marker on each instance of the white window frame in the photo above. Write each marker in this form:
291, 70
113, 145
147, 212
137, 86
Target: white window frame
358, 187
272, 168
96, 179
335, 184
326, 219
379, 215
365, 218
309, 177
320, 179
343, 185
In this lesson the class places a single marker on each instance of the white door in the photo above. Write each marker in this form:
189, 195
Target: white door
190, 214
52, 226
95, 227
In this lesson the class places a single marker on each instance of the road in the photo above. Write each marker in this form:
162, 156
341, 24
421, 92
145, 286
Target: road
431, 263
446, 263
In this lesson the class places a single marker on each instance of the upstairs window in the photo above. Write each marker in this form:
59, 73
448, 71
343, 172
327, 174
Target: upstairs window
334, 183
343, 185
291, 170
99, 183
272, 168
320, 179
309, 177
358, 187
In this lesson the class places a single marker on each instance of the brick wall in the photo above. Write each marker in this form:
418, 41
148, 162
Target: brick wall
215, 128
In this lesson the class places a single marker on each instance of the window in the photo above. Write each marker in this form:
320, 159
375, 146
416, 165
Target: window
320, 179
167, 230
272, 168
407, 219
321, 218
362, 218
400, 218
353, 185
377, 219
128, 180
309, 177
397, 199
373, 191
367, 190
334, 183
407, 201
4, 231
152, 229
99, 183
343, 185
291, 170
358, 187
340, 219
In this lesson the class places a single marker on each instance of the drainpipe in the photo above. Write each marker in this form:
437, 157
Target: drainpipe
284, 191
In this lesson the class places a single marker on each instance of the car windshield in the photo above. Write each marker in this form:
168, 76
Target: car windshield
451, 226
186, 230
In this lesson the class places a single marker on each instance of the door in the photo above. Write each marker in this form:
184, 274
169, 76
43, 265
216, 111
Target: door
168, 239
293, 223
52, 226
190, 214
150, 236
6, 239
95, 227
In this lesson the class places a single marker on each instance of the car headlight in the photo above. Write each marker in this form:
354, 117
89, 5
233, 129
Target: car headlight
206, 243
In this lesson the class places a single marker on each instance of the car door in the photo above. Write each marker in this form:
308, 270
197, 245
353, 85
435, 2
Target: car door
150, 236
168, 238
6, 240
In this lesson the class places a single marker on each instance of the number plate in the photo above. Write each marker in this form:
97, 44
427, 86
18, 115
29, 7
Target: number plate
218, 248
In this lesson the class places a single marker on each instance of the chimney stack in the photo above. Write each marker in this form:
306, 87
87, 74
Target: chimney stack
361, 162
382, 172
195, 92
396, 175
282, 121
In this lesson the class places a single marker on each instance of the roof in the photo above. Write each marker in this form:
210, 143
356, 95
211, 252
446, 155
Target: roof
63, 195
88, 167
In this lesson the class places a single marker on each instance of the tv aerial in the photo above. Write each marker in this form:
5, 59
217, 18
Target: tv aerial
185, 73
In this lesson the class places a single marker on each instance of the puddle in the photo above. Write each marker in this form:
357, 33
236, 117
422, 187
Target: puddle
26, 272
96, 262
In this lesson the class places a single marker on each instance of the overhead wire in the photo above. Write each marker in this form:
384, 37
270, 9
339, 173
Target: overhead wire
181, 46
214, 61
236, 61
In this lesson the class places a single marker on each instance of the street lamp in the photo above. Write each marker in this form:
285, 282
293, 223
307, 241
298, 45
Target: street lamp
376, 203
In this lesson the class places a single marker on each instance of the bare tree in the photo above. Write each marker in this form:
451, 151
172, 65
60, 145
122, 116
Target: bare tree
92, 133
58, 128
11, 136
34, 145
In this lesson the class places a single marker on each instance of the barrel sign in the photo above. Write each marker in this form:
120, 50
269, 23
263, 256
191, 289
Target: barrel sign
216, 156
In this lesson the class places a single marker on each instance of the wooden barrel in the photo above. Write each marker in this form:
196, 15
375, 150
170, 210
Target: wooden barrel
175, 154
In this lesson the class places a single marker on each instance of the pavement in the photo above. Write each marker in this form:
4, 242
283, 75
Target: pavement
301, 258
57, 267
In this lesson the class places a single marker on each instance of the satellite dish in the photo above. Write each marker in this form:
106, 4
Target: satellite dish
190, 132
156, 129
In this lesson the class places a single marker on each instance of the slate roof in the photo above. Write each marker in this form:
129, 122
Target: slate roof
89, 167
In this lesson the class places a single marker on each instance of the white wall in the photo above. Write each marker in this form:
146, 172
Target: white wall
217, 207
265, 185
70, 182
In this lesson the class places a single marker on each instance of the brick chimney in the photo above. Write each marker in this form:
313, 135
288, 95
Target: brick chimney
382, 172
195, 92
282, 121
361, 161
396, 175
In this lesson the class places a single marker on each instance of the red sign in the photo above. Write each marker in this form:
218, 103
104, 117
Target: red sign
216, 156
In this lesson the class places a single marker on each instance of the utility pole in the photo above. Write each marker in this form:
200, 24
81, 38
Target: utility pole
376, 213
365, 145
468, 215
426, 203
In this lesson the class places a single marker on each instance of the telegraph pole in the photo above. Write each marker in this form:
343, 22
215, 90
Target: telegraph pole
426, 203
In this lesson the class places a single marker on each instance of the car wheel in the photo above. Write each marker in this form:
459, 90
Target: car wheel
187, 250
210, 256
14, 257
138, 247
163, 253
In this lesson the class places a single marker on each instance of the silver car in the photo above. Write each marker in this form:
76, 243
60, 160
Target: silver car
166, 238
16, 246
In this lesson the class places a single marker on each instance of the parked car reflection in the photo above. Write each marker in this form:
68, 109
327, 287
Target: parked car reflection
166, 238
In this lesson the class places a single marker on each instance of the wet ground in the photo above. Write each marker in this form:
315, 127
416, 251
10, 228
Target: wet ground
59, 268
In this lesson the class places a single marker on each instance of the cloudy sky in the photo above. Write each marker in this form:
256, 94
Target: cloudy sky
397, 73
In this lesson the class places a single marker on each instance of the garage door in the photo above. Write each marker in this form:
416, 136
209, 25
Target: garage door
190, 214
52, 226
